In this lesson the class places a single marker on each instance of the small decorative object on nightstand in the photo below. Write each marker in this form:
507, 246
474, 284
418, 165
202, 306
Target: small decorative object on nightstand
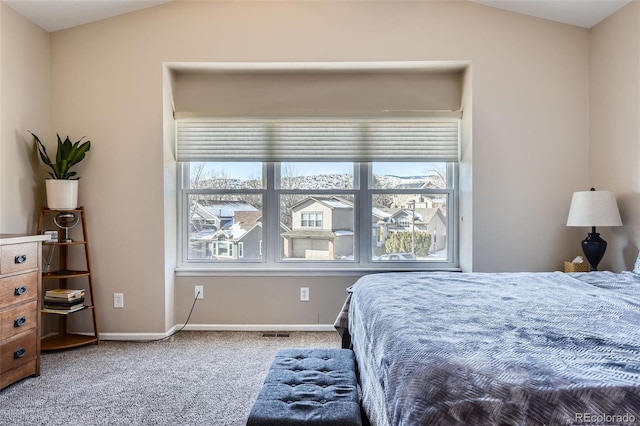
576, 265
594, 208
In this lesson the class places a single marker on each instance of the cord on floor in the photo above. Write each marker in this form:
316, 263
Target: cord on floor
170, 335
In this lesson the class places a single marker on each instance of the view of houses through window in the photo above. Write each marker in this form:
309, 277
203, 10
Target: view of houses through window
325, 211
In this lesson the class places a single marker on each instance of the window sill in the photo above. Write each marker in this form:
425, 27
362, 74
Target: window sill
327, 271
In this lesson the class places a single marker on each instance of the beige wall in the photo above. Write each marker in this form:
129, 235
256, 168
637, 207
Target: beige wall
271, 302
25, 87
615, 126
527, 89
287, 93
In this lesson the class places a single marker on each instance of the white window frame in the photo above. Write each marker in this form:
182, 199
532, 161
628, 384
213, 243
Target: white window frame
229, 248
404, 222
271, 238
309, 220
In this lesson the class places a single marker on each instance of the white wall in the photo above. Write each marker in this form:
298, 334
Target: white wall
25, 96
529, 94
170, 213
615, 127
465, 176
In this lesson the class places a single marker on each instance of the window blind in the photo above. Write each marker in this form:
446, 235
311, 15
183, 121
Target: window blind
317, 139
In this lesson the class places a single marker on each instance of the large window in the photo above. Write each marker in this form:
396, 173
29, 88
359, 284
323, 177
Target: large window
315, 212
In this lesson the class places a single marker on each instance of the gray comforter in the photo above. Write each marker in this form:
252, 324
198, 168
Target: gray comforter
503, 349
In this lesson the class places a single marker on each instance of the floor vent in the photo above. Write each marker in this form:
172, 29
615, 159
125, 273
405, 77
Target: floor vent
279, 334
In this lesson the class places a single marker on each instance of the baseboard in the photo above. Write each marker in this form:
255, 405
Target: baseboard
217, 327
260, 327
134, 337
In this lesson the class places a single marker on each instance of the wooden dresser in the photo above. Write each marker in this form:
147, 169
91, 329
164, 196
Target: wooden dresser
20, 283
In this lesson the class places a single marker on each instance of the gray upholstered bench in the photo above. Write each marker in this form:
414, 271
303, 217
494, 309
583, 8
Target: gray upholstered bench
309, 387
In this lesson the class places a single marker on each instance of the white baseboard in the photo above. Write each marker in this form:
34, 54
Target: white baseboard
259, 327
133, 336
218, 327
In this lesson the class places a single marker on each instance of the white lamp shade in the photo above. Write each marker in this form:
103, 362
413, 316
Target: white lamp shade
594, 208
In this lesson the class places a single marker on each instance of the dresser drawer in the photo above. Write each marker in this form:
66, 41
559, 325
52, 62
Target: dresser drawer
18, 351
18, 288
30, 368
18, 257
18, 320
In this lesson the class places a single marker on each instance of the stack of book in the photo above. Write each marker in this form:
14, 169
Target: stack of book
63, 301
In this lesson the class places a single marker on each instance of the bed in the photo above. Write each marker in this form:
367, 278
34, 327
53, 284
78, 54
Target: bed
436, 348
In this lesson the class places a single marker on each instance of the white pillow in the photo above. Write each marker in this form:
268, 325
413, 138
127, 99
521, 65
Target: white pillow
636, 267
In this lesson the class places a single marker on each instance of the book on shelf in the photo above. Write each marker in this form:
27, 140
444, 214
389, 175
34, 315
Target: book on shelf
63, 311
64, 294
62, 306
63, 303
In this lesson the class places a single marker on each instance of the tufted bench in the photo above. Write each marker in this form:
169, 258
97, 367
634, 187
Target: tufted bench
309, 387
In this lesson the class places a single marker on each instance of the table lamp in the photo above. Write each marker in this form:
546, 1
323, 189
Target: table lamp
594, 208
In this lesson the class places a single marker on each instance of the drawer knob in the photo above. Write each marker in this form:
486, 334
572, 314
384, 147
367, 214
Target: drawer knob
20, 290
20, 259
19, 353
19, 322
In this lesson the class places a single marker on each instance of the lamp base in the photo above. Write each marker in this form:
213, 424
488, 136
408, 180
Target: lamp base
594, 247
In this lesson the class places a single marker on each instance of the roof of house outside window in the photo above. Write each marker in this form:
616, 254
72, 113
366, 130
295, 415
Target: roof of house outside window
331, 202
318, 234
225, 208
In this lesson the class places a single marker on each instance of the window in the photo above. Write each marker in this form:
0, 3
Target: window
316, 214
311, 220
223, 209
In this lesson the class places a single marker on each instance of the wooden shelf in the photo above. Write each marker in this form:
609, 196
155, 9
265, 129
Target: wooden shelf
58, 243
70, 279
65, 341
55, 275
65, 313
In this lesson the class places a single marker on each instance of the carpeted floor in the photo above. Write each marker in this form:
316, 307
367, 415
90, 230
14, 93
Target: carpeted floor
194, 378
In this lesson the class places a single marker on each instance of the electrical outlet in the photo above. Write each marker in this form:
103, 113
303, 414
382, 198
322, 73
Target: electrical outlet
304, 294
199, 292
118, 300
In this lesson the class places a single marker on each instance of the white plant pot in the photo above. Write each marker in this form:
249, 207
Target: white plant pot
62, 194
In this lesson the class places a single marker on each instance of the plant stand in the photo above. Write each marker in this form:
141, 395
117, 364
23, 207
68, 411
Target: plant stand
69, 252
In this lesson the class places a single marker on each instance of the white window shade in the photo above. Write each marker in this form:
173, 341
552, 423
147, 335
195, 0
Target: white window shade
317, 139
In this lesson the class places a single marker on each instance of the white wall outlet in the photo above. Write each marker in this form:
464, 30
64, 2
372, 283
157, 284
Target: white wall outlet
304, 294
199, 292
118, 300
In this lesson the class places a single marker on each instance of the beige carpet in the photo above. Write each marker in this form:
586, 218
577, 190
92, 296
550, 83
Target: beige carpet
194, 378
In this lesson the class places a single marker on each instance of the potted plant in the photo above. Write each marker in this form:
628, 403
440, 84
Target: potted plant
62, 188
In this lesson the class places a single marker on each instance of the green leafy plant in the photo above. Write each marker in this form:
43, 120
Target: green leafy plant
400, 242
68, 155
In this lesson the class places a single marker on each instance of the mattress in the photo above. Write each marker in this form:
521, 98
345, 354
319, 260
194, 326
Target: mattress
509, 348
